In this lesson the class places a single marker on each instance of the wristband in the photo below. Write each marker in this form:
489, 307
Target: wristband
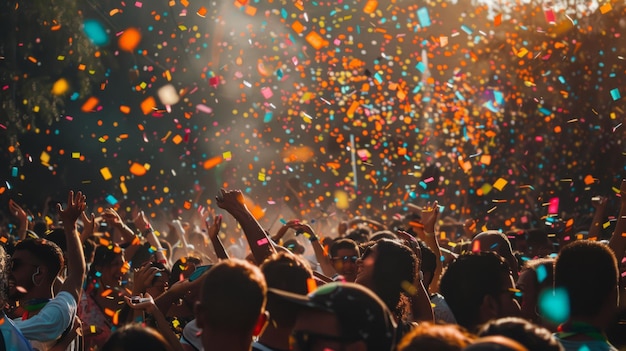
313, 238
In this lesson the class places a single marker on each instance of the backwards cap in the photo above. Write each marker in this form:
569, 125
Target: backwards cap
361, 314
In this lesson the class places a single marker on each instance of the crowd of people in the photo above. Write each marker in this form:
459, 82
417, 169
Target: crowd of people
114, 281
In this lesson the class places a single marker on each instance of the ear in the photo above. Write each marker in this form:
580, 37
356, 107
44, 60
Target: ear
261, 323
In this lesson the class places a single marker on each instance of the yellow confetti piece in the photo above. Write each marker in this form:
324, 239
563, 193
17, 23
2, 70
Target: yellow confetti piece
60, 87
44, 157
227, 155
92, 329
75, 154
261, 177
500, 183
522, 52
409, 288
106, 173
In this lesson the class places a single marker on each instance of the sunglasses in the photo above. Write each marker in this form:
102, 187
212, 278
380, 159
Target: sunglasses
346, 259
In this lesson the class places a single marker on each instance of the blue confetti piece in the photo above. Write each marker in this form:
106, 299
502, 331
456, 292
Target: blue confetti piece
554, 305
424, 18
467, 29
490, 106
111, 200
615, 94
268, 117
96, 33
284, 13
421, 66
542, 274
545, 111
499, 97
14, 172
282, 221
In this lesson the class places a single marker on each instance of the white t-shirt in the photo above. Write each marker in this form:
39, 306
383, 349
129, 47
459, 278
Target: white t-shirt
45, 328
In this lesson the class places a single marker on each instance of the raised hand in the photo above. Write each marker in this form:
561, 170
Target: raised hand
76, 204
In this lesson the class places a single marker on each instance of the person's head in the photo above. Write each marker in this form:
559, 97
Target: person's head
294, 246
386, 267
495, 343
342, 315
436, 337
35, 264
108, 266
343, 255
232, 301
493, 240
531, 336
588, 272
359, 235
539, 245
288, 273
135, 337
479, 287
535, 278
383, 234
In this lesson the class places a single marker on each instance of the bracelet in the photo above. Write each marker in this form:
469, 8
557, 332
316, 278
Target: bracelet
149, 230
313, 238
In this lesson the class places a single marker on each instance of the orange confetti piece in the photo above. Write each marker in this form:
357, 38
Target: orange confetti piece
184, 3
311, 285
297, 27
606, 8
250, 10
125, 109
137, 169
370, 6
202, 12
106, 293
589, 179
497, 20
212, 162
148, 105
316, 40
129, 40
90, 104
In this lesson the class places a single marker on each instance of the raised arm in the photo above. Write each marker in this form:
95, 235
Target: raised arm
599, 204
143, 223
260, 245
213, 230
618, 239
22, 218
75, 258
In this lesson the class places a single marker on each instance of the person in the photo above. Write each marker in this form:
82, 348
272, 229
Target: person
10, 336
343, 256
134, 337
290, 273
441, 310
493, 240
591, 285
103, 294
231, 310
390, 269
436, 337
47, 318
479, 287
495, 343
535, 278
341, 315
531, 336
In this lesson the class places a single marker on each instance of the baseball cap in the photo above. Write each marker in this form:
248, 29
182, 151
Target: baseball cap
361, 314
